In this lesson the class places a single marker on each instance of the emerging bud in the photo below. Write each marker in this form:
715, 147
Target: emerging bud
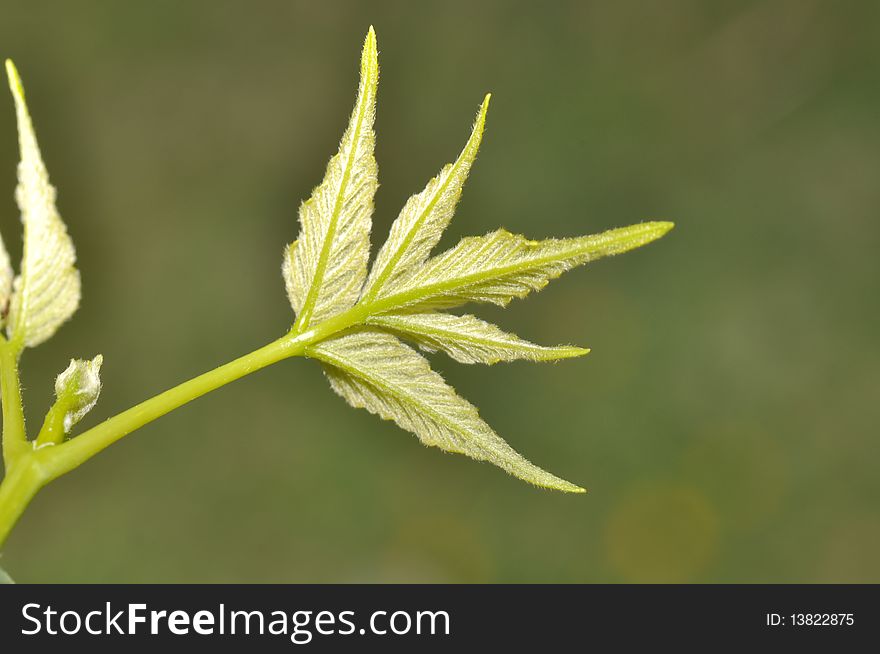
78, 388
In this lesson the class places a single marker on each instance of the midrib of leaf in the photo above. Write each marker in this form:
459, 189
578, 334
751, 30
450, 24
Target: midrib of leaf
412, 296
305, 315
559, 352
476, 135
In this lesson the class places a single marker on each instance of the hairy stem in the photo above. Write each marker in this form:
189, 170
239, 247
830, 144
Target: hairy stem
14, 438
21, 483
33, 467
63, 458
30, 468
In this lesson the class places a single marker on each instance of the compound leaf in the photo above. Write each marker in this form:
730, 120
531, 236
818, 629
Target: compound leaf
352, 321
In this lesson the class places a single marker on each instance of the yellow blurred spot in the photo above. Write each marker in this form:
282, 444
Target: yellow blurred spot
661, 533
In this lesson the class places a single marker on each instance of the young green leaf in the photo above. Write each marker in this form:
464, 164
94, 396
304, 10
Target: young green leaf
77, 390
468, 339
500, 266
324, 273
47, 291
377, 372
423, 219
325, 268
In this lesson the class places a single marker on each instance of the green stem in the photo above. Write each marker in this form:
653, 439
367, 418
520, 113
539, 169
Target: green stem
14, 438
33, 467
17, 489
60, 459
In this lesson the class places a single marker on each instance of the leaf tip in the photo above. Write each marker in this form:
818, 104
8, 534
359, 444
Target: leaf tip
480, 122
662, 227
563, 352
654, 229
369, 55
14, 78
473, 144
567, 487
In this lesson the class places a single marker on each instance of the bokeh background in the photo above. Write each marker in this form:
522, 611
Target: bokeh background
725, 422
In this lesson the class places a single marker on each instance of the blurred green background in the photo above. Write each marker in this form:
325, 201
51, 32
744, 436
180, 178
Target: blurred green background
725, 422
